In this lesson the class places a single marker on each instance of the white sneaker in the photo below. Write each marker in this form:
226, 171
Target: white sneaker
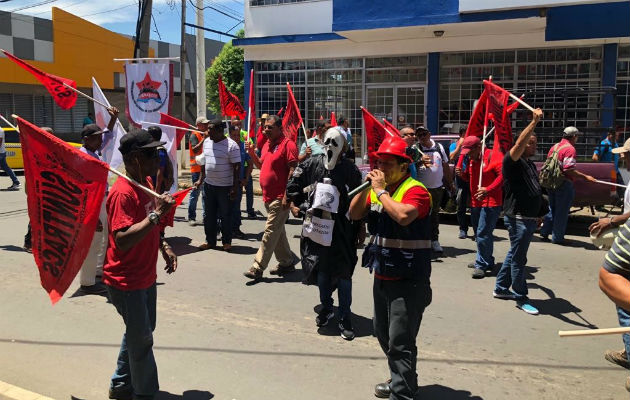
192, 222
435, 245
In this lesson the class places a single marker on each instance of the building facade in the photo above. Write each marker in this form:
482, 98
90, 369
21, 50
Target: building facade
423, 62
74, 48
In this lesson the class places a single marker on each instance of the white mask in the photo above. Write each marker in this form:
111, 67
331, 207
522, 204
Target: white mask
333, 145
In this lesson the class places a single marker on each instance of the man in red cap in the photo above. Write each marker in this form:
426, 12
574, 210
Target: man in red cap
398, 213
486, 200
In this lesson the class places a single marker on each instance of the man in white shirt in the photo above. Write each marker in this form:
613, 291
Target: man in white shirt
434, 177
3, 164
344, 128
220, 178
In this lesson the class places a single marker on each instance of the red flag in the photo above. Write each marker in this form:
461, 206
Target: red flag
179, 133
333, 119
179, 198
375, 132
390, 127
497, 107
292, 120
64, 97
251, 128
230, 104
65, 190
476, 123
280, 111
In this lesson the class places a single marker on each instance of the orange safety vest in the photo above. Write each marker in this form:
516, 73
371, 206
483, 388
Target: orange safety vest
194, 167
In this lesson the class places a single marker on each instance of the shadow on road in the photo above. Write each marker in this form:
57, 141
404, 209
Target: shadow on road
445, 393
187, 395
243, 250
10, 247
292, 277
558, 307
362, 326
181, 245
450, 252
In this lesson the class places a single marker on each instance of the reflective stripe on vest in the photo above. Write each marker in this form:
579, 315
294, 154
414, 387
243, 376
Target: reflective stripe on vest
400, 243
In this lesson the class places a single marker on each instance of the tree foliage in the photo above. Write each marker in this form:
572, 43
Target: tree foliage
228, 64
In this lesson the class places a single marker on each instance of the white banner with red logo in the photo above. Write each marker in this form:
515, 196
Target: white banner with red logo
149, 91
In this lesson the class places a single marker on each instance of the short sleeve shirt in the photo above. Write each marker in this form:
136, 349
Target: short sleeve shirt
521, 188
274, 172
135, 268
566, 156
315, 144
219, 159
617, 260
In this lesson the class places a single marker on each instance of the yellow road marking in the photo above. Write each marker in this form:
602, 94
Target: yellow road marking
11, 392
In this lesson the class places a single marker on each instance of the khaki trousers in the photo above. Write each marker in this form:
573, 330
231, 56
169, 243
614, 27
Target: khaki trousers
274, 240
93, 263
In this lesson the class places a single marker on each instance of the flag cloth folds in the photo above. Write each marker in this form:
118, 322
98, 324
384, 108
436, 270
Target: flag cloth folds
64, 97
375, 133
111, 140
390, 127
292, 119
333, 119
179, 199
251, 123
499, 111
149, 91
169, 120
230, 104
477, 118
65, 190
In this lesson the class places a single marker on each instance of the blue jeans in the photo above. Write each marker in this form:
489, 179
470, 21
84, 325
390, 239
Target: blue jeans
5, 167
512, 272
485, 219
624, 322
217, 205
194, 195
555, 221
249, 196
236, 209
344, 292
136, 364
463, 195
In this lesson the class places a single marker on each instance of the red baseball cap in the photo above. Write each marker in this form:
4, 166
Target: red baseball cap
470, 142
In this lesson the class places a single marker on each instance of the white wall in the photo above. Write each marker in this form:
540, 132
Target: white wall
493, 5
289, 19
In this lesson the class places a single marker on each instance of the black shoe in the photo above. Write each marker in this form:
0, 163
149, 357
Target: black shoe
478, 273
345, 326
382, 390
238, 234
324, 317
251, 215
97, 288
14, 187
121, 393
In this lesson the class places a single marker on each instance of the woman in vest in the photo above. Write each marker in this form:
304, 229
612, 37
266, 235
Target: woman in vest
398, 212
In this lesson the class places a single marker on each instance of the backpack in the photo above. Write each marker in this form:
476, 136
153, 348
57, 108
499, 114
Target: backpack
551, 176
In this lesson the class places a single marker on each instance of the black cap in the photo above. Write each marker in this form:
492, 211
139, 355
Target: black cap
136, 140
216, 123
90, 129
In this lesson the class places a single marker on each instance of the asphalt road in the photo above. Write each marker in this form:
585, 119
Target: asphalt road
219, 337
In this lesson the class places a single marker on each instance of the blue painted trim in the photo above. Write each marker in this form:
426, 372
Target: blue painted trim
588, 21
609, 78
247, 67
316, 37
433, 92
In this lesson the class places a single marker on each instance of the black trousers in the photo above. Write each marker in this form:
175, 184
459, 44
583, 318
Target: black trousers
398, 309
217, 204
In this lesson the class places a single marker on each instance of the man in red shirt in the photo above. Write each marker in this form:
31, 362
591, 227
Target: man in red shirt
486, 200
130, 265
398, 212
560, 199
277, 162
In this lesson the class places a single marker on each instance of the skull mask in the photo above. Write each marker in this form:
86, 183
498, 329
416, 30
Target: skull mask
334, 142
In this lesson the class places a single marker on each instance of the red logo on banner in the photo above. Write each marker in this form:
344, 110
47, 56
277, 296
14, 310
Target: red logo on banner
65, 190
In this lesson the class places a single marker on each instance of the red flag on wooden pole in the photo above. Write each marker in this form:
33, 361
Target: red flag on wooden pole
65, 190
390, 127
64, 97
375, 132
179, 133
251, 123
230, 104
333, 119
292, 119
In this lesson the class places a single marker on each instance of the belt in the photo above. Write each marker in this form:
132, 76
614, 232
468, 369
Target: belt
400, 243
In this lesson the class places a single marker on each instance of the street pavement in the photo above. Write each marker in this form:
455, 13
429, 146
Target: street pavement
219, 336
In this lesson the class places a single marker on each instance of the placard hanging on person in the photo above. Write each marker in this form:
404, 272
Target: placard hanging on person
319, 230
149, 91
326, 197
65, 190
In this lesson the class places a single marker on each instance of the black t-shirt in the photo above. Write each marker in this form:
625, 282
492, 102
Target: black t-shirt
521, 188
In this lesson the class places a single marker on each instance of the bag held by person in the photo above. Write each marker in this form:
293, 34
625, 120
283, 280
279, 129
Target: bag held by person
551, 176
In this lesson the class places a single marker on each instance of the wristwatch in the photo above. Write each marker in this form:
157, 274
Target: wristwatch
154, 218
380, 193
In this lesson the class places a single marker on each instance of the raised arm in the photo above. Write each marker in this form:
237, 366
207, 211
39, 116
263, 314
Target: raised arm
519, 147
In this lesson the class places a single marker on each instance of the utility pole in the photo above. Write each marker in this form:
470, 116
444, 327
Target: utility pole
201, 63
182, 78
145, 30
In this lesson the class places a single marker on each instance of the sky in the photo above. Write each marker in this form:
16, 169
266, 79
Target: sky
121, 15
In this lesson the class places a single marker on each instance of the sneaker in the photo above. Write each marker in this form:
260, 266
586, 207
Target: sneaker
617, 357
205, 246
121, 393
345, 327
192, 222
282, 270
528, 308
14, 187
503, 295
435, 245
97, 288
471, 265
324, 317
251, 215
238, 234
478, 273
253, 273
382, 390
544, 238
462, 234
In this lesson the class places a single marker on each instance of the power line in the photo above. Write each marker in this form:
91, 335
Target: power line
156, 28
106, 11
225, 8
33, 5
213, 8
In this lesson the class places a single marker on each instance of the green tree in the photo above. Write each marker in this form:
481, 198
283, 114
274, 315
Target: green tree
228, 64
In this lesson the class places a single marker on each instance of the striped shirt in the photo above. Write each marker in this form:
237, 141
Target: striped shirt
219, 159
617, 260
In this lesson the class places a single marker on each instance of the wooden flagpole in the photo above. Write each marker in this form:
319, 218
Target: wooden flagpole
10, 124
86, 96
594, 332
171, 126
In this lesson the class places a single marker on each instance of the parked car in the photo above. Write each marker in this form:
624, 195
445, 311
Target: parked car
14, 148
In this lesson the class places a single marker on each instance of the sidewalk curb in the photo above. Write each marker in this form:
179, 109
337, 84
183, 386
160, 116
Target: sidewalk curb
8, 391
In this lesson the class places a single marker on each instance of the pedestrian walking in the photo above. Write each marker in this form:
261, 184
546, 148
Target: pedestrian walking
277, 163
15, 183
195, 148
245, 174
462, 188
398, 212
134, 220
